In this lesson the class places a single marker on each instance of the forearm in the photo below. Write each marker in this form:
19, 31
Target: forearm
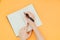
37, 33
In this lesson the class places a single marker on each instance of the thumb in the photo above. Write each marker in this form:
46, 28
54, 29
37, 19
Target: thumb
29, 34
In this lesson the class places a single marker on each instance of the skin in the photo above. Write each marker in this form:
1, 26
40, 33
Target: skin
23, 32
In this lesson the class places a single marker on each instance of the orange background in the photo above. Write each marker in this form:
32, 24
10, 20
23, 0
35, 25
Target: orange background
48, 11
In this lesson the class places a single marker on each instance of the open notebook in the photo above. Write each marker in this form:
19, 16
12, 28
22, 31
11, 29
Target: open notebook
17, 18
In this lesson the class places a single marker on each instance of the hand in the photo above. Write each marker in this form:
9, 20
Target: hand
31, 23
34, 27
23, 34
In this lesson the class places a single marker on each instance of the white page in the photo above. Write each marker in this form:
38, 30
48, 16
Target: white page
17, 18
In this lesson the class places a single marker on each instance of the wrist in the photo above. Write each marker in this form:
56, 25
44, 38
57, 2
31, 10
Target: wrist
23, 39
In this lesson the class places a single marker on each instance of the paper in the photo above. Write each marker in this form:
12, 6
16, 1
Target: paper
17, 18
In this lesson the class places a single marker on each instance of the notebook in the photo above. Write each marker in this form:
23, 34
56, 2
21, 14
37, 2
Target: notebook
18, 21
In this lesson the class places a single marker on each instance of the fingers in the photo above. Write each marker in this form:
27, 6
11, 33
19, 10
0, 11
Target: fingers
29, 16
26, 27
29, 13
29, 33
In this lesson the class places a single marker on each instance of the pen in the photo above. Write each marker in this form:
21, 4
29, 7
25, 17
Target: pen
29, 17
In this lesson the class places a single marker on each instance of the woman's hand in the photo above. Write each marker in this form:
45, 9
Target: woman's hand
31, 23
34, 27
23, 34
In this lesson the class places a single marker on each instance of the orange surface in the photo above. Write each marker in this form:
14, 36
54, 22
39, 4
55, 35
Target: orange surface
48, 11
